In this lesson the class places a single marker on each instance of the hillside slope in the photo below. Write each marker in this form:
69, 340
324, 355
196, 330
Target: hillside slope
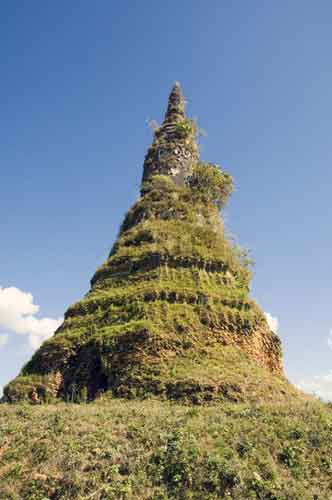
128, 450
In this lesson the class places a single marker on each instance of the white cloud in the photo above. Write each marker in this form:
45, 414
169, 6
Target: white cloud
18, 315
272, 321
329, 340
320, 385
3, 340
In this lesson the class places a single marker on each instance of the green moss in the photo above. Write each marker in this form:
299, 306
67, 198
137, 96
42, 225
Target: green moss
171, 285
24, 387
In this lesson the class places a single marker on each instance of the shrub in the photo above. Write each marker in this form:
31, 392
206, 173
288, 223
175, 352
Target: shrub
185, 129
210, 184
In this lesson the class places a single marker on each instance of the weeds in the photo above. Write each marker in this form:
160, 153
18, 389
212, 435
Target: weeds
151, 449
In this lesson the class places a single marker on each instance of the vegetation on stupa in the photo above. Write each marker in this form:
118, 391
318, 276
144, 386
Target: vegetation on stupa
187, 399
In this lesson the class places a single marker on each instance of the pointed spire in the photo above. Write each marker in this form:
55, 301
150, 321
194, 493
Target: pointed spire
176, 104
174, 150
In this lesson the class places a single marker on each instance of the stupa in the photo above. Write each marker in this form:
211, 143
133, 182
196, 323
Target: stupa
169, 313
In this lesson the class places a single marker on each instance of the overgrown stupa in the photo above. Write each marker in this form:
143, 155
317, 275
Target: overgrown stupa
169, 312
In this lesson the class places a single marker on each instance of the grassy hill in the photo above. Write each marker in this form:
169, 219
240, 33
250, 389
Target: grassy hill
154, 449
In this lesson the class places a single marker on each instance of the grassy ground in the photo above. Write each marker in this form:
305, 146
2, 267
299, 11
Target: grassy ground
150, 449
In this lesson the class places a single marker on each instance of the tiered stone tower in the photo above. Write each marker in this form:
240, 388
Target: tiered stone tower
168, 313
174, 150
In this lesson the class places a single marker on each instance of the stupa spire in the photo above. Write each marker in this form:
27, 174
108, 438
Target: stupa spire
174, 150
176, 104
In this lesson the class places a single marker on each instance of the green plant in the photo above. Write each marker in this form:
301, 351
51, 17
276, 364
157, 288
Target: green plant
176, 463
210, 184
185, 128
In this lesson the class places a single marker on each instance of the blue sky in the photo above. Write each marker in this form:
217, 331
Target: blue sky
81, 79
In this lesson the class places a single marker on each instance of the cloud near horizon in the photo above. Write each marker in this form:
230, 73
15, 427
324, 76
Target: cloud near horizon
3, 340
320, 385
272, 321
18, 315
